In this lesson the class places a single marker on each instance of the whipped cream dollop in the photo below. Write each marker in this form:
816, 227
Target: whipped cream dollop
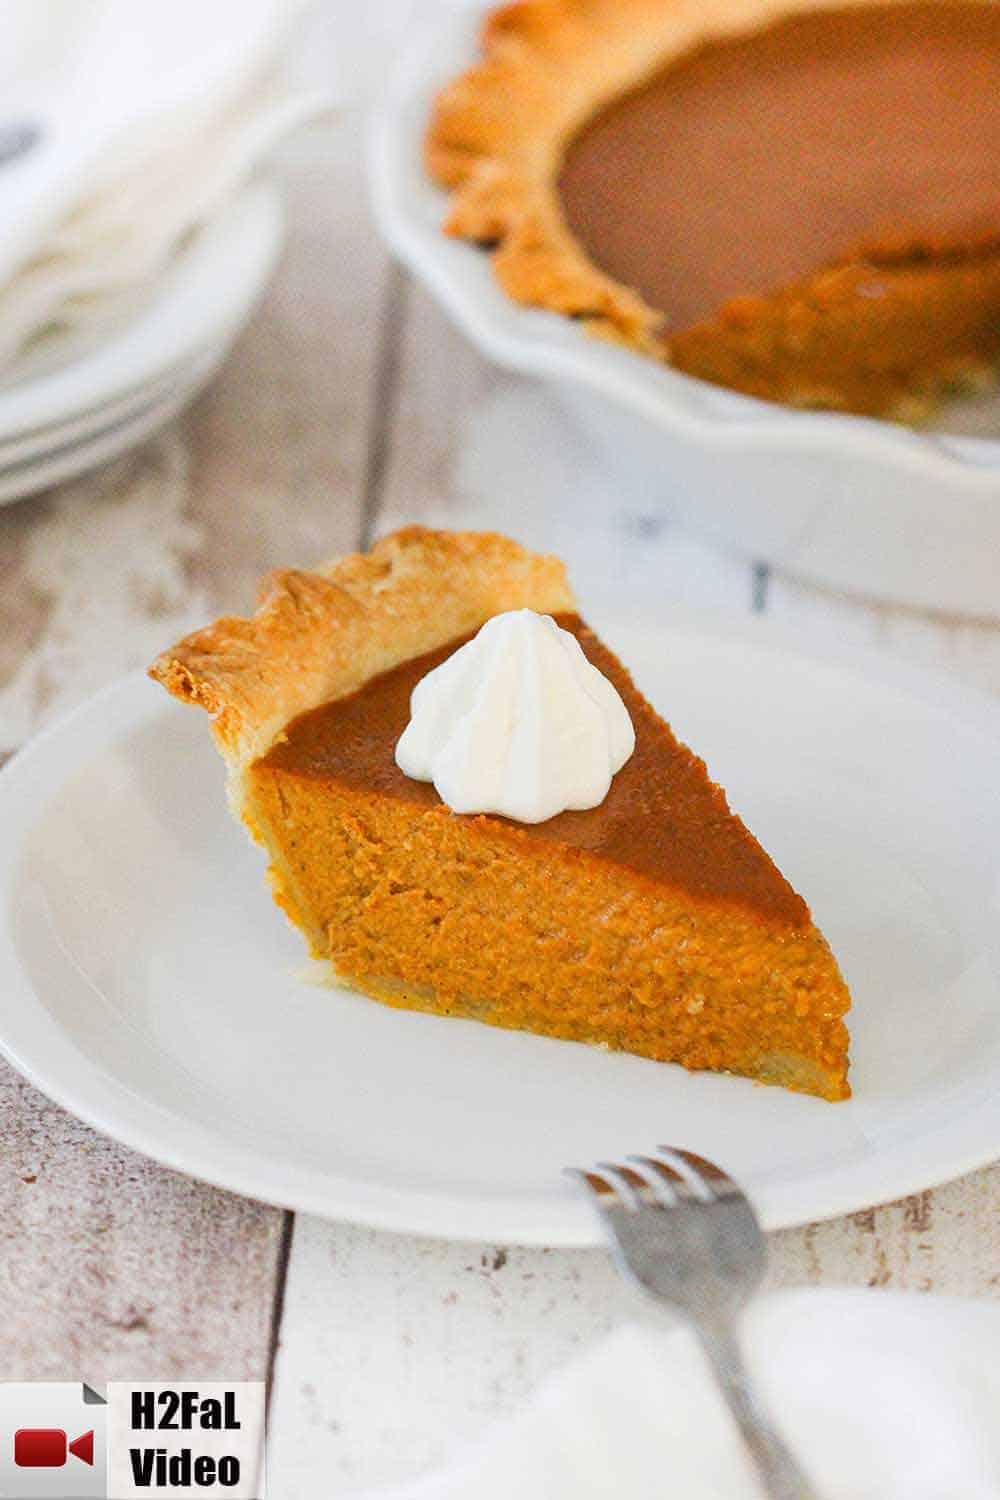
517, 722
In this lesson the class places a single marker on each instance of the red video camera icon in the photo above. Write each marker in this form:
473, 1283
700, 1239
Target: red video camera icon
47, 1448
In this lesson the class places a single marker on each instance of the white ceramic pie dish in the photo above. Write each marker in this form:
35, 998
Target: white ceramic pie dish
847, 502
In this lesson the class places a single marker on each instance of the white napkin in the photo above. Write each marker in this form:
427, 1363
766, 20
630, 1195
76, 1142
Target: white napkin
884, 1396
150, 115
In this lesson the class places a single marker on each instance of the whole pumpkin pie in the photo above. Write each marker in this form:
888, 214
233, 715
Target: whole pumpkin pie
653, 923
800, 201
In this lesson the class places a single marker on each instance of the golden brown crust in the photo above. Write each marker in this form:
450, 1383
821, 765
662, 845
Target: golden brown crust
498, 133
319, 635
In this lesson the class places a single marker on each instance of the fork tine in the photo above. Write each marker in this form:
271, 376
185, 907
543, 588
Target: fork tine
670, 1185
719, 1181
640, 1192
604, 1193
683, 1163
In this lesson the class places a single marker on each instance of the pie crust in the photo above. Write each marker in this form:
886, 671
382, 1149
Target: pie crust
321, 634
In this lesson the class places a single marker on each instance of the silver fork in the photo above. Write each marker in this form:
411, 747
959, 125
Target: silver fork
683, 1231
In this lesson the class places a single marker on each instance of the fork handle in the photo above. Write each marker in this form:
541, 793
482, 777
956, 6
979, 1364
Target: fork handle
779, 1472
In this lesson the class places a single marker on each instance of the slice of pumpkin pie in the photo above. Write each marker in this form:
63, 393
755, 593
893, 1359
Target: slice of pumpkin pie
584, 879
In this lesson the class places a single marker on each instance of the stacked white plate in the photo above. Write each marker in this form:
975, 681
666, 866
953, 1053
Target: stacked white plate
75, 413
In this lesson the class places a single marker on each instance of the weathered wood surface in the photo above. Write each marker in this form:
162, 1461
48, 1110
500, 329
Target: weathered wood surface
112, 1267
348, 406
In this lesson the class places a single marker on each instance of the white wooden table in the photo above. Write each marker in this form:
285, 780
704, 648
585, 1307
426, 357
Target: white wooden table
348, 406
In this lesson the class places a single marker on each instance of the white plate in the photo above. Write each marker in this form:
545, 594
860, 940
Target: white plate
205, 298
99, 444
871, 507
150, 986
46, 442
